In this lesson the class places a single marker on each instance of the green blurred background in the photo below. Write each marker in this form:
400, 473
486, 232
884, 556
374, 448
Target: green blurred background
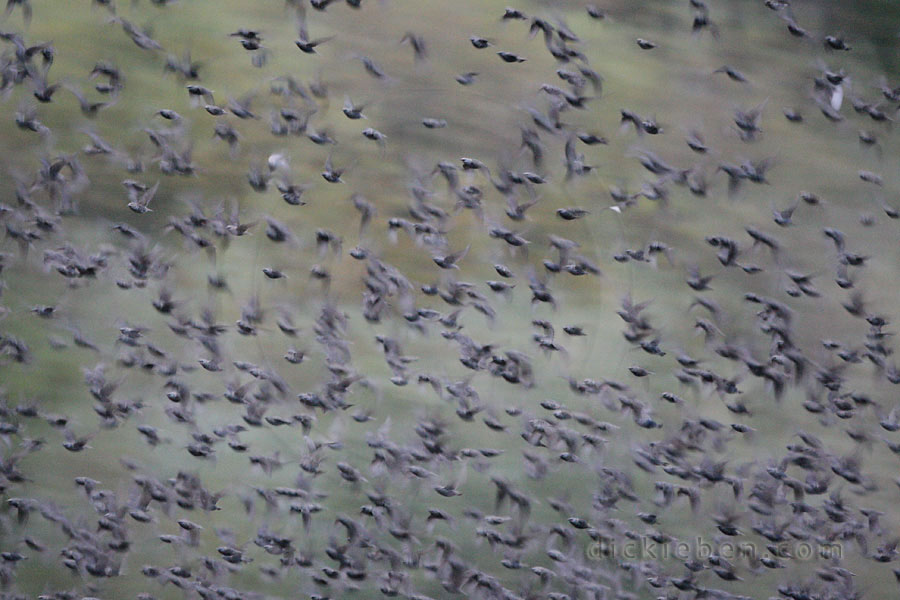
674, 82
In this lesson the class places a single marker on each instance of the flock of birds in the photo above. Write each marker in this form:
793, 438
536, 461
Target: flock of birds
350, 494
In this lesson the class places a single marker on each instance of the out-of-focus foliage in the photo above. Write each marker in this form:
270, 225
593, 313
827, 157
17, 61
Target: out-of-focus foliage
130, 381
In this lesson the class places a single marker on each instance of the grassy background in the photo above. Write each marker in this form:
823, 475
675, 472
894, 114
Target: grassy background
673, 82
